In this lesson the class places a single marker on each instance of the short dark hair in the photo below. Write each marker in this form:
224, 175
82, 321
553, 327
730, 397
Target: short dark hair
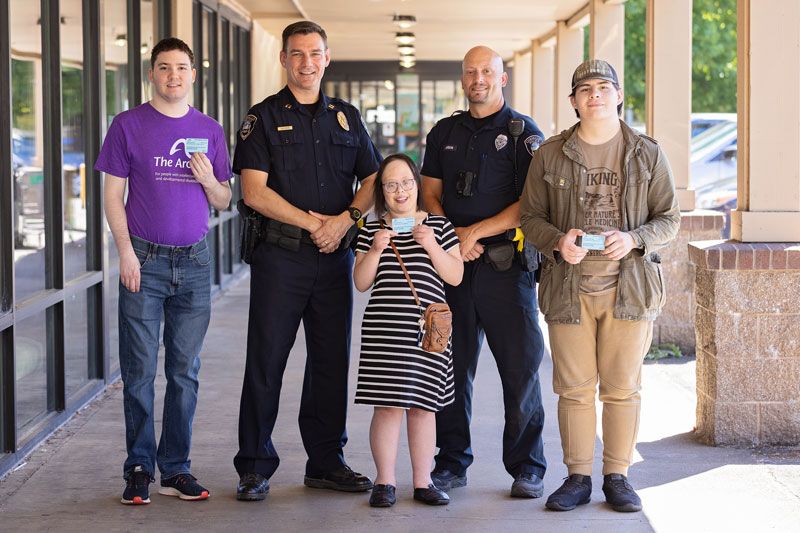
619, 106
303, 27
378, 193
168, 44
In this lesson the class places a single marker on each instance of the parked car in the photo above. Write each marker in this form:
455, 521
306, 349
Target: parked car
713, 160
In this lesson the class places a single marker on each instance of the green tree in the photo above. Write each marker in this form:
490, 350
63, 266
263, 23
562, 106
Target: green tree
713, 56
635, 57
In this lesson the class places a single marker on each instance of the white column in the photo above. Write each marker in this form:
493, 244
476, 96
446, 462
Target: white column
668, 99
522, 83
607, 33
543, 69
568, 55
769, 122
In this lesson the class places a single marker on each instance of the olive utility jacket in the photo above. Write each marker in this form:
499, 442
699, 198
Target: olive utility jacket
552, 204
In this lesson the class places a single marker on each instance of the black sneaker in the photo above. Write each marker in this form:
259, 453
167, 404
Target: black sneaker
620, 495
527, 485
137, 491
343, 479
576, 490
446, 480
184, 486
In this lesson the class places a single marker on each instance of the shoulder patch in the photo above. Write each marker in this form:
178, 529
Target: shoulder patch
532, 143
247, 126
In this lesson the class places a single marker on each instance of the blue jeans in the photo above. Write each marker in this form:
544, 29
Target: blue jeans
175, 280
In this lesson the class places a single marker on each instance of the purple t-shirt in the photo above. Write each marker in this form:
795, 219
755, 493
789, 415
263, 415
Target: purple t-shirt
166, 204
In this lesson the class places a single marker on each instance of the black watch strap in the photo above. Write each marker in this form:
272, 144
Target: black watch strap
355, 213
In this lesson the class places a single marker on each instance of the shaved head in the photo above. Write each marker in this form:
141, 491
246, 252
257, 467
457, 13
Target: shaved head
483, 55
483, 79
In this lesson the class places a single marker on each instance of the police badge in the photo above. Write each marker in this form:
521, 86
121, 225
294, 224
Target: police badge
500, 142
532, 143
342, 121
247, 126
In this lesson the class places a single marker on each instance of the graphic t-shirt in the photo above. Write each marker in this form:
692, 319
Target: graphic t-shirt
601, 208
166, 204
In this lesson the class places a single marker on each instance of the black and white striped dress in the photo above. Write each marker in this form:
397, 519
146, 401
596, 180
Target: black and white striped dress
393, 371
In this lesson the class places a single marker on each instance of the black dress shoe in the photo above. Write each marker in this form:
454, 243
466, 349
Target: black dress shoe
382, 496
431, 495
252, 487
343, 479
446, 480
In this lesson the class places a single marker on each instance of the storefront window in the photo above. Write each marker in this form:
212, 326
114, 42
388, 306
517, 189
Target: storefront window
27, 148
72, 139
30, 366
76, 342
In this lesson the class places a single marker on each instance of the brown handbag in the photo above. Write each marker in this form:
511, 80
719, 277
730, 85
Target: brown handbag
435, 323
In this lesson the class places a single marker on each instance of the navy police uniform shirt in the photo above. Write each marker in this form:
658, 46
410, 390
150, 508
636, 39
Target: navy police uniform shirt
311, 160
456, 144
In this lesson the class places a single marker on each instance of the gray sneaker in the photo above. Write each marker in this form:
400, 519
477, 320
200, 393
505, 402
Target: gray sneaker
446, 480
527, 485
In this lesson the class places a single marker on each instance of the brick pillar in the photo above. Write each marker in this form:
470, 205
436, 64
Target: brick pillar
675, 325
748, 342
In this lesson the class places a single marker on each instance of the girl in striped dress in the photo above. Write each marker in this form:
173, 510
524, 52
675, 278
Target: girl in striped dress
394, 374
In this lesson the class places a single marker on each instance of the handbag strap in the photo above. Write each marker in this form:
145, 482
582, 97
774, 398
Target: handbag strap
400, 260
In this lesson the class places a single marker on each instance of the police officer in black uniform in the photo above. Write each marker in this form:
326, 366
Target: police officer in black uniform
474, 169
299, 153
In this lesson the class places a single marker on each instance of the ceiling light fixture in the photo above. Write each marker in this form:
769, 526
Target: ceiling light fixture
404, 37
405, 49
120, 40
404, 21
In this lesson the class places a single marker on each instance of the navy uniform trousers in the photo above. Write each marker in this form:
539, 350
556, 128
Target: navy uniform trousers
285, 287
501, 305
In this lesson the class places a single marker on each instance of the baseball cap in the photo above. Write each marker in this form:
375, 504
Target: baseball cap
596, 69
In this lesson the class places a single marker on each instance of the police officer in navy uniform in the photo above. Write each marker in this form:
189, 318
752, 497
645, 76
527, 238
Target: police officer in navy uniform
299, 153
474, 169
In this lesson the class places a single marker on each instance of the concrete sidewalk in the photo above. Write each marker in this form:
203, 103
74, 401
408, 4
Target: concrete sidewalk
73, 482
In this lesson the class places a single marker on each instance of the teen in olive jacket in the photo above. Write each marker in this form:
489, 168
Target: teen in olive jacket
552, 203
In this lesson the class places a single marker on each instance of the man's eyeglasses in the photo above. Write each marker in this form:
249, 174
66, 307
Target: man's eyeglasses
406, 185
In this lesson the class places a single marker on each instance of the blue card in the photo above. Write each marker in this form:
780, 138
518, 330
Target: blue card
197, 145
593, 242
402, 225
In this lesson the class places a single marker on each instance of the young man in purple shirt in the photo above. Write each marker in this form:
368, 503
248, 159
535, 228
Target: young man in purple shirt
174, 160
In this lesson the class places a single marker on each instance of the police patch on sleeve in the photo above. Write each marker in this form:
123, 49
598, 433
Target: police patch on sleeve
247, 126
532, 143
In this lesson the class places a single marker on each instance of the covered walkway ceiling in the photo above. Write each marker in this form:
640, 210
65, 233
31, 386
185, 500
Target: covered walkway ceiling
445, 29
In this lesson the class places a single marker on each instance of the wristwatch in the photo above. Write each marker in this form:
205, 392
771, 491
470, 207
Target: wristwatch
355, 213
